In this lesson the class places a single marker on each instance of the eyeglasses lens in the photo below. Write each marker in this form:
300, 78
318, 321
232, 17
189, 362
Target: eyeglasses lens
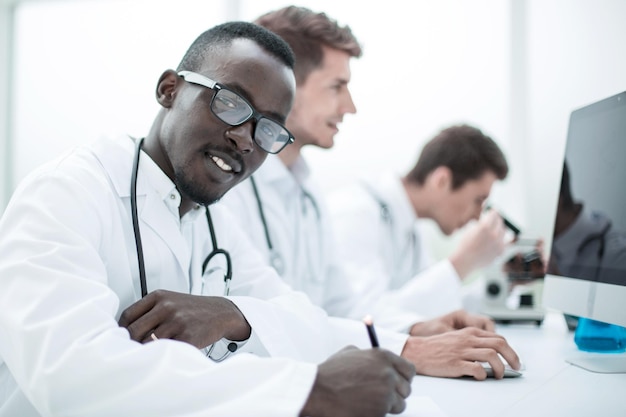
270, 136
234, 110
231, 108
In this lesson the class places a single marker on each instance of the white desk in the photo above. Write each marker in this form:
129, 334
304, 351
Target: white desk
549, 387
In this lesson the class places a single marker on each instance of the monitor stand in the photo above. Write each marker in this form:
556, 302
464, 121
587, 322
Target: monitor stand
604, 363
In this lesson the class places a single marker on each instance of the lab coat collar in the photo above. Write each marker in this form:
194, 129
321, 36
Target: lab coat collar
154, 189
274, 170
117, 161
151, 176
286, 180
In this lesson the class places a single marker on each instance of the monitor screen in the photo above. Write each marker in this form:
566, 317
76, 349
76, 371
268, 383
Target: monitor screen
587, 267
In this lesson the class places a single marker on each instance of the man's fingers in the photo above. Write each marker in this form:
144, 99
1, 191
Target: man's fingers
398, 406
142, 328
486, 346
405, 368
150, 337
484, 323
491, 218
403, 387
475, 370
499, 345
489, 325
136, 310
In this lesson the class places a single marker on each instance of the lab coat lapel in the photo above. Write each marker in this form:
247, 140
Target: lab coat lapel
152, 211
155, 214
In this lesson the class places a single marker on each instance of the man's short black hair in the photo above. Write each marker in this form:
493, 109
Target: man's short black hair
465, 150
221, 36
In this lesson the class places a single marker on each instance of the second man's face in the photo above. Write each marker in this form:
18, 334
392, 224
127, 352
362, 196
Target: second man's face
464, 204
322, 101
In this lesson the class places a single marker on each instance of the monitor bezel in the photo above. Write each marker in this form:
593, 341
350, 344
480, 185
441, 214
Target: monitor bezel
595, 300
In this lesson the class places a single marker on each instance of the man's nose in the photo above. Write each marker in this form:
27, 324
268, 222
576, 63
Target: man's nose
477, 214
348, 105
241, 137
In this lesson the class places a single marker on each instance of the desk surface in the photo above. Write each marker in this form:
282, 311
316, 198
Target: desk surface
549, 387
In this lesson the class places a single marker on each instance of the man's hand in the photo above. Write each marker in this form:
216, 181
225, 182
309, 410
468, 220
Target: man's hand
198, 320
456, 320
480, 245
457, 353
360, 383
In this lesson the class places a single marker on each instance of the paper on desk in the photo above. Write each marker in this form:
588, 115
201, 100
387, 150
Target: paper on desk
421, 406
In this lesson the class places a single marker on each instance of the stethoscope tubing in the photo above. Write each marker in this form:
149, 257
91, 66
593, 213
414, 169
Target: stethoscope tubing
137, 232
135, 217
276, 259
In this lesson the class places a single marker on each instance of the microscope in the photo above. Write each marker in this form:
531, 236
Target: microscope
513, 284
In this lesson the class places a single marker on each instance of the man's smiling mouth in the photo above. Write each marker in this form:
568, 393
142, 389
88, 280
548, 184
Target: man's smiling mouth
221, 164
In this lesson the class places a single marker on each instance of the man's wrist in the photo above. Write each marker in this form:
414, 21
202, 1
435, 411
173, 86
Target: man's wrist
239, 328
462, 266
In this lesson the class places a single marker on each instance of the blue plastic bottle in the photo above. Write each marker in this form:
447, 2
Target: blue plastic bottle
597, 336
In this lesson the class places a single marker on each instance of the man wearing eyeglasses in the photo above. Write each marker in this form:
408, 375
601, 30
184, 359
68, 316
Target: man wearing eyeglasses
85, 237
291, 225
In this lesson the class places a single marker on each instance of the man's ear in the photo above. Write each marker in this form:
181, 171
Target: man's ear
441, 178
166, 88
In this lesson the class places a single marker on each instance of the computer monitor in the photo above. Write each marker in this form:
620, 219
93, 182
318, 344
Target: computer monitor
587, 268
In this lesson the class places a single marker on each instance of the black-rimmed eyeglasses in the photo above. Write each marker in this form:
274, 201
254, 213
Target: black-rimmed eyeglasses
235, 110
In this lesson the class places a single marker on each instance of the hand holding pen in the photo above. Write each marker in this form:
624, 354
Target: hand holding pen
384, 381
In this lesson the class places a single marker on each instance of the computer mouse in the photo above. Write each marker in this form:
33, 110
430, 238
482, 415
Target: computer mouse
508, 371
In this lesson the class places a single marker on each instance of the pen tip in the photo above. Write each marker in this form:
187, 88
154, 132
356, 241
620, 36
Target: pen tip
368, 320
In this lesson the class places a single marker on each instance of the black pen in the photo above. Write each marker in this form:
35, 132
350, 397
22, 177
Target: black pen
369, 325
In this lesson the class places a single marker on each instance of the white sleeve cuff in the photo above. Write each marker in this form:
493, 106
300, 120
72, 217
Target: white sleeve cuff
222, 349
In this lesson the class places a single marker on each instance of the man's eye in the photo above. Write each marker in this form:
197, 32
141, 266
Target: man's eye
225, 102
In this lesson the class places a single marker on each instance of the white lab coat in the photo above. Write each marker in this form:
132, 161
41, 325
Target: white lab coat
300, 231
68, 267
379, 239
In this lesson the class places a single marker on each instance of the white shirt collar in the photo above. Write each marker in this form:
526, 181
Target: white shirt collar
164, 187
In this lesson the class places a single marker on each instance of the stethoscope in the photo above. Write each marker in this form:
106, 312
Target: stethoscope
276, 260
140, 259
385, 212
387, 218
